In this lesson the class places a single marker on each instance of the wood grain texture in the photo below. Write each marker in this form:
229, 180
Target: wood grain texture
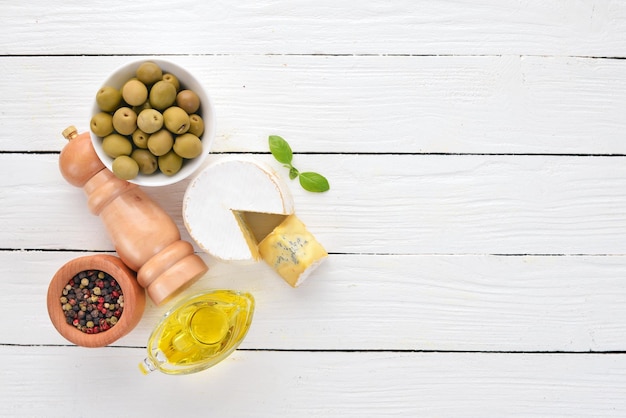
321, 384
361, 302
475, 219
389, 204
362, 104
483, 27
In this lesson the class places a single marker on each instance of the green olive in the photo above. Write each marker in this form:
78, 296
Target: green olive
149, 72
140, 139
172, 79
146, 160
196, 125
150, 120
176, 120
115, 145
170, 163
125, 120
101, 124
134, 92
125, 167
160, 142
108, 98
188, 146
162, 95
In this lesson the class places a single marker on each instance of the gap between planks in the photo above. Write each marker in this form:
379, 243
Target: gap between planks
360, 350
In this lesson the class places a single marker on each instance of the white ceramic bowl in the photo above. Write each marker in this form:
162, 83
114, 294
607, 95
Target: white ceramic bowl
206, 111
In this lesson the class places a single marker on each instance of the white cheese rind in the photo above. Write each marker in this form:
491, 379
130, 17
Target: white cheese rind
228, 185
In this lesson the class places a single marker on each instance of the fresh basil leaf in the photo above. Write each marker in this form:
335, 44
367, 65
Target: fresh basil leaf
280, 149
314, 182
293, 173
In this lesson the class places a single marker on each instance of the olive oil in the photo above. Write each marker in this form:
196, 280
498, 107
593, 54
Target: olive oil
199, 332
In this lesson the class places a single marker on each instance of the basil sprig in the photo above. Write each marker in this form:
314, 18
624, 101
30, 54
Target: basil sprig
310, 181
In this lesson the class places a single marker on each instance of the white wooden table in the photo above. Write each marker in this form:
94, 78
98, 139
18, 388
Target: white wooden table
476, 221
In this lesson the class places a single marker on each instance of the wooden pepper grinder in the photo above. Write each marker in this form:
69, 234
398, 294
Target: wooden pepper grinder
145, 237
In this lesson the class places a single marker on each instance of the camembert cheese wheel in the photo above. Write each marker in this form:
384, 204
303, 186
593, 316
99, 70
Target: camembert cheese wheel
223, 196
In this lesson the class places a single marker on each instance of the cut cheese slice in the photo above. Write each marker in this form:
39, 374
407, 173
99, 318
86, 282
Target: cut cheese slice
292, 251
220, 201
260, 224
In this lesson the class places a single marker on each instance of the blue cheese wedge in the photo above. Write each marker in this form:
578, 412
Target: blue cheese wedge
292, 251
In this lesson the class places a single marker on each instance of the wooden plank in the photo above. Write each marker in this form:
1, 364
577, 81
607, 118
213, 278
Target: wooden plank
397, 104
590, 27
336, 384
359, 302
390, 204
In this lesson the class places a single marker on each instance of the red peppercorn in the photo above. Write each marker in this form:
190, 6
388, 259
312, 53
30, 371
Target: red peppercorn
75, 322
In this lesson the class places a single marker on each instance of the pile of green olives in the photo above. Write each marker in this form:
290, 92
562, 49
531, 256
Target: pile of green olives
152, 123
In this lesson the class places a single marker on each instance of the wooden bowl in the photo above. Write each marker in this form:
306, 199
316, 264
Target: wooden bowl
134, 299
